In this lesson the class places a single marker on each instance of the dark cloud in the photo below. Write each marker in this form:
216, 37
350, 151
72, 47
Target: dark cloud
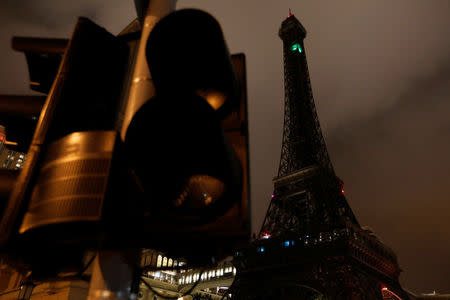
53, 17
46, 14
48, 18
396, 168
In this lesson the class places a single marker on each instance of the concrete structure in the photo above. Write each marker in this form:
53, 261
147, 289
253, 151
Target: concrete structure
58, 290
163, 276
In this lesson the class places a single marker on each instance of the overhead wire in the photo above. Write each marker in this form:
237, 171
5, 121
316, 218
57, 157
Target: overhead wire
188, 292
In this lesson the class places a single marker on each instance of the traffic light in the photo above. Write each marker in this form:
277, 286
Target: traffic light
43, 57
194, 169
187, 53
179, 181
58, 203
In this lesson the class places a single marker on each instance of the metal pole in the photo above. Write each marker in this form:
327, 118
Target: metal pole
114, 270
113, 274
142, 87
18, 105
39, 45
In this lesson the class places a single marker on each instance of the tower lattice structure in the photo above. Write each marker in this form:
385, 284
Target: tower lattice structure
311, 245
307, 194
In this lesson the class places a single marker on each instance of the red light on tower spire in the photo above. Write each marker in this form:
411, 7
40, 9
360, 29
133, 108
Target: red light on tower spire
290, 14
342, 186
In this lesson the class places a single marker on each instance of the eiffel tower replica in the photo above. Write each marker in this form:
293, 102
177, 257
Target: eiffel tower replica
311, 245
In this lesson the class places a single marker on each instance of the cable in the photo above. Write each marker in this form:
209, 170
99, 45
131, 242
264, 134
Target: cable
195, 284
188, 292
230, 290
156, 292
83, 269
79, 274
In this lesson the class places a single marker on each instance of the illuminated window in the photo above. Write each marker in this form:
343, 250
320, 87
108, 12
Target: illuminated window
164, 262
159, 261
170, 262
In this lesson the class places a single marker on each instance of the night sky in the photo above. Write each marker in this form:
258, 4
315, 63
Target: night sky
380, 72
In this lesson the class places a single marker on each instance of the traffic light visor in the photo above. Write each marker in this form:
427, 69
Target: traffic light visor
186, 52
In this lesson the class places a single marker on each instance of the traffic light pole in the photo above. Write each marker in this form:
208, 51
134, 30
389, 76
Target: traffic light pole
113, 274
142, 87
114, 270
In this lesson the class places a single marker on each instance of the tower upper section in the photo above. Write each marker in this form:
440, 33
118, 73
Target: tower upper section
303, 144
292, 29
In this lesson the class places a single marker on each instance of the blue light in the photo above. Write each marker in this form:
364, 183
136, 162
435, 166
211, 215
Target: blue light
260, 249
287, 243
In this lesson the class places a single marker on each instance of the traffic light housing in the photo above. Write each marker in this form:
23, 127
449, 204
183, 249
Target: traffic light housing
76, 150
83, 99
199, 115
187, 53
